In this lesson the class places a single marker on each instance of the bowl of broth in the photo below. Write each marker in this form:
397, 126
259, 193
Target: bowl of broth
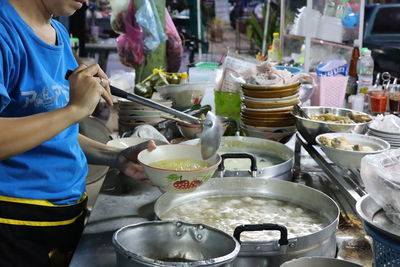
179, 168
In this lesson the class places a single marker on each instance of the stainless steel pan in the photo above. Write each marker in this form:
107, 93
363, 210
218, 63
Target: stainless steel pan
270, 253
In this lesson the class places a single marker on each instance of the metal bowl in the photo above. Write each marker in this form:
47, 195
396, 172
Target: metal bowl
319, 261
352, 159
310, 129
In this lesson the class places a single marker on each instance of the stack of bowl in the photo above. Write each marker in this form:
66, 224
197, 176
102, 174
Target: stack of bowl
184, 96
132, 114
266, 110
391, 137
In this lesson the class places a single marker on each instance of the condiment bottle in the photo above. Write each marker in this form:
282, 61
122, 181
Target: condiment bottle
184, 77
276, 48
352, 82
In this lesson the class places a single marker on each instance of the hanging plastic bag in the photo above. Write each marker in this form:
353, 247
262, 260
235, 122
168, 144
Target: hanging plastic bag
174, 45
118, 8
130, 45
147, 17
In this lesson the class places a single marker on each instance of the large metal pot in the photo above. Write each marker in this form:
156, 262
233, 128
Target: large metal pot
256, 150
271, 253
318, 262
173, 243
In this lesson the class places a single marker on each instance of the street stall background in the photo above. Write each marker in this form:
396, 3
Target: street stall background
272, 71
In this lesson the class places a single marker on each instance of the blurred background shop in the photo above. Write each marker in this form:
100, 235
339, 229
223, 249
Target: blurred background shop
281, 72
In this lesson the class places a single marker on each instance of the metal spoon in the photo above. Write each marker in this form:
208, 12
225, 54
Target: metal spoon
212, 129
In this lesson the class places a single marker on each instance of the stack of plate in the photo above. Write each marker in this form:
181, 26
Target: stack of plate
266, 110
132, 114
391, 137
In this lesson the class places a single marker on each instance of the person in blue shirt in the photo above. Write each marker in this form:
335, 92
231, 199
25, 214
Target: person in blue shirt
43, 159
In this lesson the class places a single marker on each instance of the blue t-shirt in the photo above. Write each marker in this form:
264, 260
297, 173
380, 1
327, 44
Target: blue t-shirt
32, 81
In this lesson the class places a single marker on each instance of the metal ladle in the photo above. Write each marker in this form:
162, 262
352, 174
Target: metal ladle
212, 129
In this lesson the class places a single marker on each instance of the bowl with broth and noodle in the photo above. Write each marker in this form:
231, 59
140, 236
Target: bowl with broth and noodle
178, 168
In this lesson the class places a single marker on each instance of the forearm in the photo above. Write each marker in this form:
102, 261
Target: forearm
97, 153
19, 135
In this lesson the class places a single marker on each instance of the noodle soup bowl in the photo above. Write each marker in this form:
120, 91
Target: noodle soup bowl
181, 181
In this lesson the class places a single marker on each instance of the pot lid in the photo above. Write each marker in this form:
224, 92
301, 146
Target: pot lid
374, 215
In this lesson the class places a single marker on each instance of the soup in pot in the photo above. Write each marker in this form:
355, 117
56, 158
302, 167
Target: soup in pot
226, 213
181, 164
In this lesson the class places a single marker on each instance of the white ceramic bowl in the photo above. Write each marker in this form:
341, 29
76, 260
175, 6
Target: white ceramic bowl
352, 159
172, 180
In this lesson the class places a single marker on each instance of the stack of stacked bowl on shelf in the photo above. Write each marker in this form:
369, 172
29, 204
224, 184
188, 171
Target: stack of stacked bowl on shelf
266, 110
132, 114
392, 138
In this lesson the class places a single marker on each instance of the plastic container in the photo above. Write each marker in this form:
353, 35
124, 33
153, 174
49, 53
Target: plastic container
365, 71
330, 91
330, 29
342, 9
330, 8
309, 22
205, 72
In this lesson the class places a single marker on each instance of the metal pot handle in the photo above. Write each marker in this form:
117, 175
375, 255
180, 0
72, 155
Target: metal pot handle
243, 155
283, 241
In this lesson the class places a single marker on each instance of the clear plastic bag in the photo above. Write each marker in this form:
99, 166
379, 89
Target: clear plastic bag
174, 45
381, 176
389, 123
147, 17
130, 45
123, 80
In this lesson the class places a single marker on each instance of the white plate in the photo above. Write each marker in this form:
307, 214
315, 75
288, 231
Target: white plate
380, 132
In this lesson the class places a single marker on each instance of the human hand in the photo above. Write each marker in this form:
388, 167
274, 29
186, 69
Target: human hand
127, 161
87, 86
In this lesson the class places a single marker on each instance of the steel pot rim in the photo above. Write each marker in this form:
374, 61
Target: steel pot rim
333, 222
288, 160
145, 260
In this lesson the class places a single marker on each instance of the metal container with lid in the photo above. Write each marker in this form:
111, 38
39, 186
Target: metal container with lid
268, 253
258, 152
385, 233
173, 243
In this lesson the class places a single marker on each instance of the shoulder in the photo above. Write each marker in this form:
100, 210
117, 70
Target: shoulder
59, 27
7, 37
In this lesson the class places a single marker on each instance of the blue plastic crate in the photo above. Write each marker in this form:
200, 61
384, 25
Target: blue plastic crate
386, 250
